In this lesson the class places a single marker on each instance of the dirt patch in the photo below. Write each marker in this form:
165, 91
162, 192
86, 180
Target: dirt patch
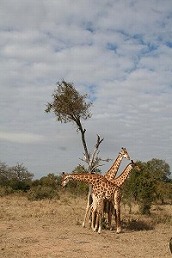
53, 229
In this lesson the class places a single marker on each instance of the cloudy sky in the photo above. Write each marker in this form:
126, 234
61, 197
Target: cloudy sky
119, 52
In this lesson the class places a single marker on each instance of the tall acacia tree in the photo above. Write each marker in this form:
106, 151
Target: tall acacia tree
69, 105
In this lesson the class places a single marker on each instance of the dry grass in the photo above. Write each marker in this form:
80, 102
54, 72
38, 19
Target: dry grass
53, 229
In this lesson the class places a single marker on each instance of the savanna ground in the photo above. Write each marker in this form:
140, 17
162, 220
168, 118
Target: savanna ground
53, 228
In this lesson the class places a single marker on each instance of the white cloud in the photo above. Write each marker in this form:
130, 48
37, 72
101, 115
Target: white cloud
21, 137
119, 52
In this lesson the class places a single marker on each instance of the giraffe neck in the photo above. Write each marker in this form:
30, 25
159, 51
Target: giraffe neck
121, 179
111, 173
86, 178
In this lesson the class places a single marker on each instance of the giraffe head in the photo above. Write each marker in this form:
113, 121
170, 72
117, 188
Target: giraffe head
124, 153
65, 179
134, 165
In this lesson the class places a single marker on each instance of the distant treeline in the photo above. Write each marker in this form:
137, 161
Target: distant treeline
151, 184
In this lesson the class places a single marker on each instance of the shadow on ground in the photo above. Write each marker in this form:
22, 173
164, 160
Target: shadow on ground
137, 225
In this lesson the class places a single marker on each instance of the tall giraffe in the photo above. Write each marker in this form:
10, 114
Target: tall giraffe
110, 174
102, 189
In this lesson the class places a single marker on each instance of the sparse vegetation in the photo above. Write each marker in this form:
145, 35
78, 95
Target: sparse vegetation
42, 192
151, 185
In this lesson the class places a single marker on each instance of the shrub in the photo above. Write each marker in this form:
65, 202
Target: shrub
5, 190
42, 192
145, 207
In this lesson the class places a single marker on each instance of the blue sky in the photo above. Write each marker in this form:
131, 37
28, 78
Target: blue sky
118, 52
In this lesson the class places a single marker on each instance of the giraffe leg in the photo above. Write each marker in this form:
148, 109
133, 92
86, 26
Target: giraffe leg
94, 220
118, 217
100, 214
90, 216
115, 216
94, 213
107, 210
100, 223
118, 229
111, 211
86, 214
89, 202
117, 220
97, 215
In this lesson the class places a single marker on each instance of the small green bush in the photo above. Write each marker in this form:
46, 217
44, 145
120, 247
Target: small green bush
145, 206
41, 192
5, 190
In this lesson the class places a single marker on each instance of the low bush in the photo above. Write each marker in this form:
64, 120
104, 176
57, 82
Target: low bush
5, 190
42, 192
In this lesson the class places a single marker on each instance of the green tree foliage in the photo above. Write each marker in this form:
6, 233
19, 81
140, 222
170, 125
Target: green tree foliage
4, 174
46, 187
160, 172
51, 180
41, 192
80, 169
68, 105
159, 169
14, 178
164, 192
148, 185
21, 178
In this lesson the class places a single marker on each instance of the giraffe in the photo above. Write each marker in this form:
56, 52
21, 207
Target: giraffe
110, 174
102, 189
